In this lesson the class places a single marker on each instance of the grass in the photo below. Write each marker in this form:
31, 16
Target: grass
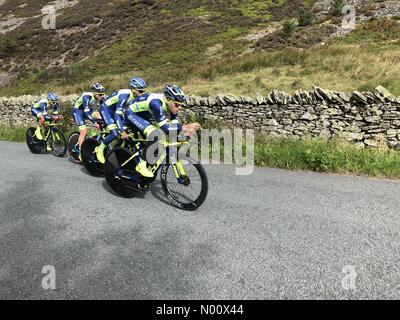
320, 155
258, 9
15, 134
376, 33
160, 38
329, 156
359, 61
338, 67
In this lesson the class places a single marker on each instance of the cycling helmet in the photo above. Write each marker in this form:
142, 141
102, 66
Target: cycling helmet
174, 93
137, 83
97, 87
52, 97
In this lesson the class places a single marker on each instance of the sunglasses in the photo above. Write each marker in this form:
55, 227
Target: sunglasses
141, 91
100, 94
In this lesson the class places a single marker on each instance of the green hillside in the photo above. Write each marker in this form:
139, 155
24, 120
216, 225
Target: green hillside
203, 45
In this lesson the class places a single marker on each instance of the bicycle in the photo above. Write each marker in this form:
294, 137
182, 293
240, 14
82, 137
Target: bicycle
123, 179
73, 149
89, 158
53, 136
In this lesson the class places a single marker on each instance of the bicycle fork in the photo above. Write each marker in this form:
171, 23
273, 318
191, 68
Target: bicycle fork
179, 171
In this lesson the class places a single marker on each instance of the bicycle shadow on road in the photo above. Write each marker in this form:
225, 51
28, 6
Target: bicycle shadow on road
155, 189
83, 170
139, 195
158, 193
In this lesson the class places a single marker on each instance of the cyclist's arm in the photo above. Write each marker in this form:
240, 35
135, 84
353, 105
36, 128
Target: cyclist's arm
40, 110
175, 118
86, 108
56, 109
43, 107
122, 101
162, 121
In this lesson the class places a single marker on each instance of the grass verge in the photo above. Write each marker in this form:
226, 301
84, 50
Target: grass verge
15, 134
329, 156
18, 134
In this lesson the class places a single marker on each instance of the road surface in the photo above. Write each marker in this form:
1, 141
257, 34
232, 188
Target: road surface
273, 235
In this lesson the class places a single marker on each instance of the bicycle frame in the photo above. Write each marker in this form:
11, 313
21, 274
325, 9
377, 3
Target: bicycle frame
176, 164
48, 130
99, 134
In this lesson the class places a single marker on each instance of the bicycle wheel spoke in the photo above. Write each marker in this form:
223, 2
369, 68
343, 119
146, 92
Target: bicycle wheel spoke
181, 192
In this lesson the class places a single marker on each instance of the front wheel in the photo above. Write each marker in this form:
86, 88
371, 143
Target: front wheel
185, 184
34, 145
120, 173
73, 149
89, 158
58, 143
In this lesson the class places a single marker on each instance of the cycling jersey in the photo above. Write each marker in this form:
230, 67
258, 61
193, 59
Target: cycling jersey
84, 104
116, 102
144, 109
82, 110
40, 108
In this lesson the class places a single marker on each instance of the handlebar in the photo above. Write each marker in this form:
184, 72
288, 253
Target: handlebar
165, 143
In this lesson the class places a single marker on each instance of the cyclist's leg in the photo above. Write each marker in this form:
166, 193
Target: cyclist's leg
48, 119
41, 120
79, 117
139, 124
80, 122
108, 118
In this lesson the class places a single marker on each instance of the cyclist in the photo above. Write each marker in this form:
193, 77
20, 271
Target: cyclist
155, 106
83, 110
40, 111
112, 110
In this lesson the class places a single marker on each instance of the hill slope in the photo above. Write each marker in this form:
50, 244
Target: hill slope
196, 43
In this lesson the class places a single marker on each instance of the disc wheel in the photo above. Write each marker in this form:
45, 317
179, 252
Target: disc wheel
89, 159
190, 191
72, 146
58, 143
34, 145
114, 176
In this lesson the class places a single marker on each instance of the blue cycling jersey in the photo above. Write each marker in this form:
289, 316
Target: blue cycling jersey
41, 108
152, 107
117, 102
84, 103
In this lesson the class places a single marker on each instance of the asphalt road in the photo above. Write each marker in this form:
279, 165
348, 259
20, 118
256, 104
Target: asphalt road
273, 235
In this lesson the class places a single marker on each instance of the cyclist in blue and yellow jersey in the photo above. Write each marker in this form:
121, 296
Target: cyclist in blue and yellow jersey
112, 110
83, 110
40, 111
155, 106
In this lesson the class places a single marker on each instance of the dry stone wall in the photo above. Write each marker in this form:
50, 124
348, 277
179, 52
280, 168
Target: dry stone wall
369, 119
16, 111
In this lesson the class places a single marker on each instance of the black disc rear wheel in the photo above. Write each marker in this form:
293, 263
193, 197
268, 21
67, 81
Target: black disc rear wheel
89, 158
34, 145
116, 174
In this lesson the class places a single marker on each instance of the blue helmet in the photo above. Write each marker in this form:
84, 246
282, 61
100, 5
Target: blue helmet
52, 97
174, 93
97, 87
138, 84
